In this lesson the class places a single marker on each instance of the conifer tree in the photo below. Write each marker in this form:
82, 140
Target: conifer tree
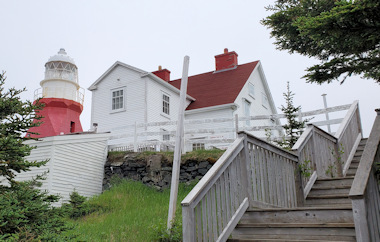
343, 35
26, 213
293, 128
16, 119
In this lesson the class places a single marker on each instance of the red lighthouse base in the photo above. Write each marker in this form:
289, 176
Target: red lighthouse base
60, 116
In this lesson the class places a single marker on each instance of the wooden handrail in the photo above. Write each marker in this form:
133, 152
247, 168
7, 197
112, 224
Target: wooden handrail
212, 174
366, 162
347, 118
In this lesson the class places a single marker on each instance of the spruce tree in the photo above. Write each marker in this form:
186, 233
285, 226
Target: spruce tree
17, 117
293, 128
26, 213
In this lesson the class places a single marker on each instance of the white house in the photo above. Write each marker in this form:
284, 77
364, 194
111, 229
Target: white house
125, 95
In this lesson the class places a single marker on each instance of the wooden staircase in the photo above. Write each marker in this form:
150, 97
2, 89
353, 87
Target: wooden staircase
326, 216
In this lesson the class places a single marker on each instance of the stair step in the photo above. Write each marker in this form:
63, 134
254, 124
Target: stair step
297, 225
354, 165
299, 215
329, 190
326, 202
287, 233
351, 172
333, 182
288, 238
363, 141
358, 152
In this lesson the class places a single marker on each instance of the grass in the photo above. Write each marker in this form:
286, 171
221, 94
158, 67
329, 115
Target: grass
131, 212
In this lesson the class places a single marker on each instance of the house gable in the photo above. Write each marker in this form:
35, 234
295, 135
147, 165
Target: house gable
260, 86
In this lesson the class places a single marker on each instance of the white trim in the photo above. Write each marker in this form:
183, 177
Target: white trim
163, 93
233, 106
124, 96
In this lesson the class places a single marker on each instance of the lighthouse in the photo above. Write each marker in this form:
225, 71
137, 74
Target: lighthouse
62, 96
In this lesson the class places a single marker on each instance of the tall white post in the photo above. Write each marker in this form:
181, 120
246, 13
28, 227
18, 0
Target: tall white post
178, 144
327, 114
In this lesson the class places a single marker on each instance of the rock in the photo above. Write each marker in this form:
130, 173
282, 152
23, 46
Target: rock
117, 163
202, 171
203, 164
145, 179
193, 168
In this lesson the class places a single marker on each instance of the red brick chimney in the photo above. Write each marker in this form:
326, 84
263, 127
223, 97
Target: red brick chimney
164, 74
227, 60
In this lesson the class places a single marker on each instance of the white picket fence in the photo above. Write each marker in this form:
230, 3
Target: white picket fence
212, 132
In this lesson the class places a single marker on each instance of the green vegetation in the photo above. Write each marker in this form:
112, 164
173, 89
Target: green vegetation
293, 128
129, 211
25, 211
343, 35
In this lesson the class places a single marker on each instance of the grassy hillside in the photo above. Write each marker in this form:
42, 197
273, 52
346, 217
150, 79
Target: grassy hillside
130, 211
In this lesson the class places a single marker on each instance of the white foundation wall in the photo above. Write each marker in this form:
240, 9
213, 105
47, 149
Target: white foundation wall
76, 162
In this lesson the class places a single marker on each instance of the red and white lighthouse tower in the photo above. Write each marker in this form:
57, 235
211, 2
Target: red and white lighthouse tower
62, 96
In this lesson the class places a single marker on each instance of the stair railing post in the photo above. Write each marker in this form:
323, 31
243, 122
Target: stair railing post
188, 224
246, 184
360, 219
338, 160
298, 184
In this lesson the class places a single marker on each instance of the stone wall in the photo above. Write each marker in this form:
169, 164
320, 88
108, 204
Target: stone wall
154, 170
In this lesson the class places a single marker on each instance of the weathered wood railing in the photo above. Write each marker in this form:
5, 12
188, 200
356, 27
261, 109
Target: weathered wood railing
365, 193
349, 135
324, 155
317, 152
255, 174
251, 173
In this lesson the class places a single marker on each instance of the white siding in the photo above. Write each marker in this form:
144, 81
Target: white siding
214, 114
102, 114
257, 106
76, 162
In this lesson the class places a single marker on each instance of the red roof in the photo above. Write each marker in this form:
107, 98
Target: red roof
213, 89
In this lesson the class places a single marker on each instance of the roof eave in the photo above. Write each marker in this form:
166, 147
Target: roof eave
165, 84
233, 106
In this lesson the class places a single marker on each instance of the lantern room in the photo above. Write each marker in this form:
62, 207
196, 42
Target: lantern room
62, 96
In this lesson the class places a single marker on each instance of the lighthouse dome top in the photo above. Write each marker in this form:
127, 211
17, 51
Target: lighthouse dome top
62, 56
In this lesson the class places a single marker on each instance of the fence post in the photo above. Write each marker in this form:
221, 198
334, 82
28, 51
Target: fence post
326, 113
135, 139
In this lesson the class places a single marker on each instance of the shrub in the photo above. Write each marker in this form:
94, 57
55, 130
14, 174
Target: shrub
26, 214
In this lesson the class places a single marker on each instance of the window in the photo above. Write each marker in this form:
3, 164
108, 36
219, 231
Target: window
198, 146
118, 99
265, 100
251, 89
247, 111
165, 104
165, 137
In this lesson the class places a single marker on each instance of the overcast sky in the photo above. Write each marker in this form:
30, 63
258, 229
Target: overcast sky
148, 33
